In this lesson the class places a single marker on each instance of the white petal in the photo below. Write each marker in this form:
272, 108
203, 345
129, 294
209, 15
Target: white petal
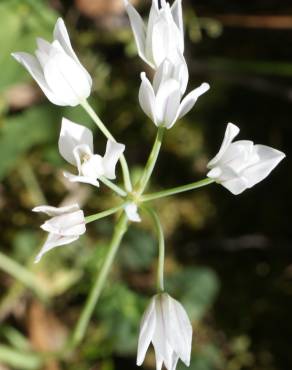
61, 34
238, 156
54, 211
160, 341
189, 100
113, 153
67, 224
81, 154
167, 103
131, 210
43, 51
167, 70
93, 167
231, 132
236, 185
165, 40
147, 327
147, 98
165, 37
66, 79
269, 158
182, 74
138, 28
43, 45
54, 241
153, 18
176, 10
82, 179
72, 135
34, 68
163, 73
179, 329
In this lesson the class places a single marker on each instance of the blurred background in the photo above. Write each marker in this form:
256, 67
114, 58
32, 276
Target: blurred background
229, 259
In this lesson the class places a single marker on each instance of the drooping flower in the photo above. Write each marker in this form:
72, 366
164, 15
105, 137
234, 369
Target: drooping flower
65, 226
166, 324
57, 70
163, 102
163, 36
240, 165
76, 147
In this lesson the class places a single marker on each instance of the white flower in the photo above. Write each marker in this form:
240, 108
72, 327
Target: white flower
131, 210
76, 147
57, 69
165, 324
65, 226
241, 164
162, 102
163, 36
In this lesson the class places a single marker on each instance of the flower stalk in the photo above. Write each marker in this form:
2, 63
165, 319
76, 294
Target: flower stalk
151, 160
161, 248
113, 186
176, 190
81, 326
108, 212
90, 111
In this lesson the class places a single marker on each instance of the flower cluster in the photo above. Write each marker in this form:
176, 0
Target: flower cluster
239, 165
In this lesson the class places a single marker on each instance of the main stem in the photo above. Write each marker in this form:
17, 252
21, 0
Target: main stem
176, 190
151, 161
101, 278
86, 106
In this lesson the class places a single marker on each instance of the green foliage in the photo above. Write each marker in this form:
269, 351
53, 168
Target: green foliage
21, 132
196, 287
120, 313
22, 21
138, 249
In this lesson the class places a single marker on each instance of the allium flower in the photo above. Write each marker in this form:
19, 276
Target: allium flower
65, 226
165, 324
240, 165
162, 102
76, 147
57, 69
163, 36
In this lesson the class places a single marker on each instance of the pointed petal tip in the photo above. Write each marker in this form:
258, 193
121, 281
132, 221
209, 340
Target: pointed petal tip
16, 55
37, 258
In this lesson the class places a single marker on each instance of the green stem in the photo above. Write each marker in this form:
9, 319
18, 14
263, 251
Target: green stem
20, 360
113, 186
161, 247
177, 190
151, 160
21, 274
86, 106
80, 329
108, 212
31, 182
